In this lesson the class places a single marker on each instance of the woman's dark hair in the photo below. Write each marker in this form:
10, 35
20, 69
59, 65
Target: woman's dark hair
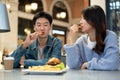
95, 16
42, 15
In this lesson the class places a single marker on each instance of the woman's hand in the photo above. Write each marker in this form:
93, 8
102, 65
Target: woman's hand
72, 33
84, 65
74, 28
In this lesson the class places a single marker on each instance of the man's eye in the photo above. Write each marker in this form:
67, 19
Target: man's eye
46, 25
38, 25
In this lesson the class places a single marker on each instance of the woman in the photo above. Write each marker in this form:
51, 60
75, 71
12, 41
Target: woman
97, 48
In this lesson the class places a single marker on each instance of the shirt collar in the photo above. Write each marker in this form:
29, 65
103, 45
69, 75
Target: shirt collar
49, 42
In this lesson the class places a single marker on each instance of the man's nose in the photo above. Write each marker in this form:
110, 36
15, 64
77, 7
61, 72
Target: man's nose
41, 27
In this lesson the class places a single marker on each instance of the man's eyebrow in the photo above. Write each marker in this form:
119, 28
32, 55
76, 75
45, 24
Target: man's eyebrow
46, 22
42, 23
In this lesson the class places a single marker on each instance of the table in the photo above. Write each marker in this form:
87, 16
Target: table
17, 74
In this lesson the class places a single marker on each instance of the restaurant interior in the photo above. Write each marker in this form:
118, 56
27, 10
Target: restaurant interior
21, 12
65, 13
16, 22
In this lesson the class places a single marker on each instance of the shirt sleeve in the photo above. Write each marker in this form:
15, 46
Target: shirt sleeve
17, 54
73, 58
75, 55
32, 62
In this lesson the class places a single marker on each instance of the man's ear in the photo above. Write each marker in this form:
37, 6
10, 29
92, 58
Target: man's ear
34, 27
51, 27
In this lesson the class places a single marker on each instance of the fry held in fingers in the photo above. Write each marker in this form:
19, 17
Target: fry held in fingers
39, 33
33, 36
75, 28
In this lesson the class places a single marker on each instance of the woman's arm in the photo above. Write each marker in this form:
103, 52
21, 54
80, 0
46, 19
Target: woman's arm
109, 59
73, 58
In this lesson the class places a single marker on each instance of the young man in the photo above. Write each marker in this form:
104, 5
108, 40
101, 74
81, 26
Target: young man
39, 46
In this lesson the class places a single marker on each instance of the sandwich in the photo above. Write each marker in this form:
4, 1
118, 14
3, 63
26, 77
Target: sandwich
53, 61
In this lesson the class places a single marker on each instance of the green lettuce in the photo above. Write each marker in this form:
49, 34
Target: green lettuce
61, 65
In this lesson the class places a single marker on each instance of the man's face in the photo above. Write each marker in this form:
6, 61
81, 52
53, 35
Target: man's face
43, 27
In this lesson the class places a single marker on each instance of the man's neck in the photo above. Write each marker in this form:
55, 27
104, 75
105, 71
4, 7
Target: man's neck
42, 42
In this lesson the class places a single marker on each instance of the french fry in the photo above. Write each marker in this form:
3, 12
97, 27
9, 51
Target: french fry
44, 68
39, 33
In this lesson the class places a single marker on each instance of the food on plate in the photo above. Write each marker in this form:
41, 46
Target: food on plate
45, 68
53, 61
59, 66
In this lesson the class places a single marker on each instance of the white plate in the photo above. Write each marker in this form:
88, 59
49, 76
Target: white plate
27, 71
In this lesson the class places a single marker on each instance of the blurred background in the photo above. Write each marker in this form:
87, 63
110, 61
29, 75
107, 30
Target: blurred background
65, 13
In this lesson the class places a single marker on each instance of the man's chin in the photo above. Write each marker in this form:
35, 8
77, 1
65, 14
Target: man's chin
42, 36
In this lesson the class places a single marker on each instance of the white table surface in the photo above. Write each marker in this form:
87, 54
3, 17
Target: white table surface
17, 74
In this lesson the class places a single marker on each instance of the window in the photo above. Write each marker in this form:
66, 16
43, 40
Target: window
60, 12
24, 27
30, 6
113, 15
60, 32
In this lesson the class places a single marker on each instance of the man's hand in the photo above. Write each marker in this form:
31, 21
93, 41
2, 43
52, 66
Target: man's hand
22, 60
29, 39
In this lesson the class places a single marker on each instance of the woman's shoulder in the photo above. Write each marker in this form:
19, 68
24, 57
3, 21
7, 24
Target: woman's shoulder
111, 33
